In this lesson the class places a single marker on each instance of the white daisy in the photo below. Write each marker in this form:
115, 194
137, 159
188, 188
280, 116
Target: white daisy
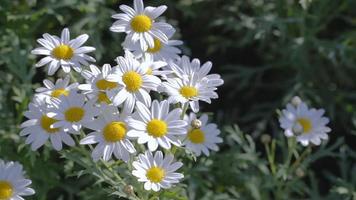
154, 67
63, 52
110, 132
38, 128
13, 184
56, 90
201, 135
156, 171
193, 83
134, 83
157, 126
71, 112
189, 91
308, 125
97, 85
140, 25
160, 51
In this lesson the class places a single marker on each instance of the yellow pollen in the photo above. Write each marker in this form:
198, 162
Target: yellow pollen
59, 92
306, 124
105, 85
103, 98
46, 123
188, 92
196, 136
141, 23
155, 174
156, 128
156, 48
6, 190
114, 131
132, 80
74, 114
149, 71
63, 51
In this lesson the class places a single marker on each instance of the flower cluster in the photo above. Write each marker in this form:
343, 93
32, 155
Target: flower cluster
149, 98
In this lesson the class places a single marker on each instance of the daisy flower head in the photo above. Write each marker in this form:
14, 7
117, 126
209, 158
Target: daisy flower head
156, 170
307, 124
38, 128
140, 24
110, 132
96, 84
13, 184
189, 91
191, 83
157, 126
134, 83
71, 112
63, 52
54, 90
160, 51
201, 135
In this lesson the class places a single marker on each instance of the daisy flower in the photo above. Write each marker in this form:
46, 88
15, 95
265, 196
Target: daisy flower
71, 112
134, 83
201, 135
97, 85
157, 171
308, 125
189, 92
63, 52
154, 67
60, 88
191, 83
140, 25
157, 126
111, 134
38, 128
13, 184
160, 51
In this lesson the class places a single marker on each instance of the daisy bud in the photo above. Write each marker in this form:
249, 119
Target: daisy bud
296, 101
265, 138
297, 129
128, 189
196, 123
300, 172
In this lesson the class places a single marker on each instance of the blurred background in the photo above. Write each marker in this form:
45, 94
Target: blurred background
266, 51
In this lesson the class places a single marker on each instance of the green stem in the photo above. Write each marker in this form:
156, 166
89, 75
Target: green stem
297, 162
271, 155
185, 108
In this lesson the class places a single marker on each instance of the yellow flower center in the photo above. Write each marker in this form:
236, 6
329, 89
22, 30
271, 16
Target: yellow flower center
196, 136
46, 123
157, 128
156, 48
74, 114
188, 92
132, 80
306, 124
59, 92
149, 71
6, 190
141, 23
105, 85
155, 174
114, 131
63, 51
103, 98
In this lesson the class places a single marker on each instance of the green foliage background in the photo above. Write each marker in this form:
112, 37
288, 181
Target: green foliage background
266, 51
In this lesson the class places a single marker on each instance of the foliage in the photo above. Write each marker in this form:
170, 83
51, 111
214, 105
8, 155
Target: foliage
267, 52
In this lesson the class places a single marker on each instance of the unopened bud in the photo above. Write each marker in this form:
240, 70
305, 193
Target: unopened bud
300, 172
265, 138
196, 123
128, 189
296, 101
